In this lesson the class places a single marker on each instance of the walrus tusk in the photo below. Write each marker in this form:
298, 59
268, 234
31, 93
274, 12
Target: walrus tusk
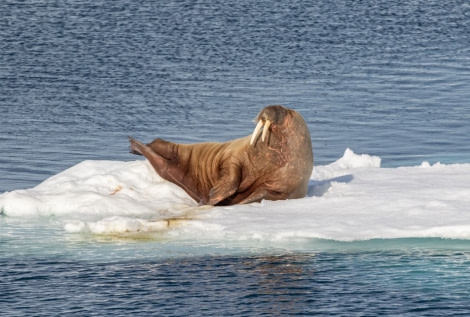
256, 131
265, 130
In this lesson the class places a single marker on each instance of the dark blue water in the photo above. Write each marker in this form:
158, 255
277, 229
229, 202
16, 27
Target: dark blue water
384, 78
348, 284
387, 78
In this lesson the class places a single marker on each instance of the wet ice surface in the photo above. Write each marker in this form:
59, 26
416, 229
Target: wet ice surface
350, 199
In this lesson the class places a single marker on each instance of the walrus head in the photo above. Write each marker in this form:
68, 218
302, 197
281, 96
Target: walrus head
268, 116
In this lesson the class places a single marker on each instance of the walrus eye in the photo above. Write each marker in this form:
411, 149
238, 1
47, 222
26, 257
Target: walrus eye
258, 130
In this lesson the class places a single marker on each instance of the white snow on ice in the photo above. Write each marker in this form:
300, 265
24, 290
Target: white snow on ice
350, 199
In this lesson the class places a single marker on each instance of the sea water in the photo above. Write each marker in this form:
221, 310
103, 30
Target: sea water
88, 229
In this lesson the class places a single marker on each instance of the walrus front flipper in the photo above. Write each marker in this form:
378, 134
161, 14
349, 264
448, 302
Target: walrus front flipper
262, 193
226, 186
220, 192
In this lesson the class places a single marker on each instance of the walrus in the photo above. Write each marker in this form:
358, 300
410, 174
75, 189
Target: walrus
275, 162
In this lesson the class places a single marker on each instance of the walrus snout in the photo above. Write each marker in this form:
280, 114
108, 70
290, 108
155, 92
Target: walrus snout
274, 114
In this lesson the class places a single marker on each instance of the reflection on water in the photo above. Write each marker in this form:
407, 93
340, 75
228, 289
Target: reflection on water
377, 283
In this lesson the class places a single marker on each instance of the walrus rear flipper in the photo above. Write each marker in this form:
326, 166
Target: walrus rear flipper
139, 148
165, 163
135, 146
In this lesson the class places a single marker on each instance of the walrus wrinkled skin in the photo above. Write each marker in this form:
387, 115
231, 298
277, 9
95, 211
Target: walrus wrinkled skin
274, 165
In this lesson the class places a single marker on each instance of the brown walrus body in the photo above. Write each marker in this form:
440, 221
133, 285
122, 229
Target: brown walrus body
274, 166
